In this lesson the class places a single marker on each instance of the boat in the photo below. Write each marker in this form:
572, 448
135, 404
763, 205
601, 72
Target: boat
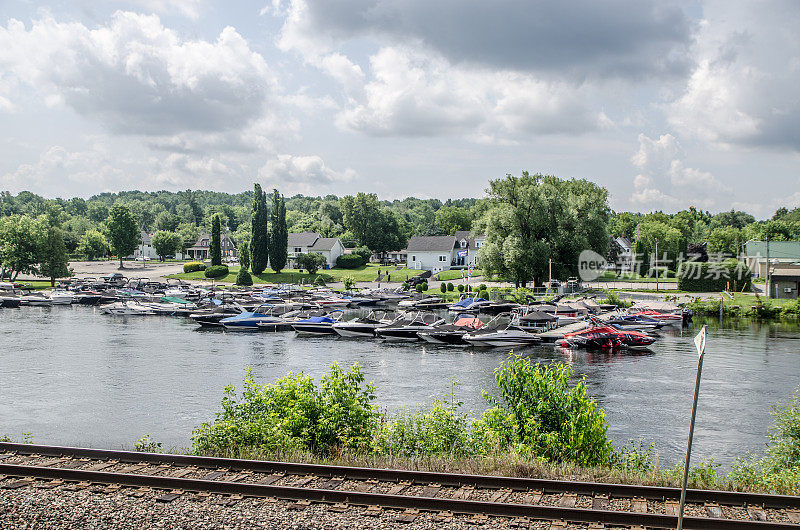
407, 328
365, 326
470, 304
127, 307
318, 325
61, 297
604, 337
10, 302
281, 318
537, 321
497, 334
636, 323
250, 320
452, 334
426, 302
213, 316
36, 300
670, 318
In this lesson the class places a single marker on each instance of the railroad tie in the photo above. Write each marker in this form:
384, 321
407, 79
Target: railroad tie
372, 511
713, 510
77, 486
409, 515
53, 462
478, 518
339, 507
558, 525
757, 513
600, 502
463, 492
299, 505
50, 484
214, 475
302, 481
182, 472
793, 515
671, 507
431, 490
443, 517
6, 455
141, 492
133, 469
500, 495
533, 497
520, 522
568, 500
100, 466
399, 487
639, 505
18, 484
596, 526
332, 483
271, 479
365, 486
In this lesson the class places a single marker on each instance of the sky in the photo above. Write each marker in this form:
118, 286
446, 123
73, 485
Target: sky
666, 104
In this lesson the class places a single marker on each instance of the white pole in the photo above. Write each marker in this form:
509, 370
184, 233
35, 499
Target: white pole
700, 342
550, 273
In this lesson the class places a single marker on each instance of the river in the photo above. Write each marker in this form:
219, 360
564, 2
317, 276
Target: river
74, 376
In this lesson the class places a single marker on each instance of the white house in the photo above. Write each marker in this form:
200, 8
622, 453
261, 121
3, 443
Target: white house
201, 248
304, 242
440, 253
145, 247
624, 254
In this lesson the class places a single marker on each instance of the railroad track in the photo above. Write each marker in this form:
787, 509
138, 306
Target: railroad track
170, 477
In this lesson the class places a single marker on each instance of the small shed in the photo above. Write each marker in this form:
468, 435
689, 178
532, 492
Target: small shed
784, 281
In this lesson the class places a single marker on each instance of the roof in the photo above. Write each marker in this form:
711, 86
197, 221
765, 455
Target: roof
324, 243
302, 239
144, 238
431, 243
777, 249
784, 271
469, 236
624, 243
198, 245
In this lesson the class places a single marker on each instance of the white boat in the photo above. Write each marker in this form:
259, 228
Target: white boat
495, 335
60, 297
128, 307
36, 300
364, 326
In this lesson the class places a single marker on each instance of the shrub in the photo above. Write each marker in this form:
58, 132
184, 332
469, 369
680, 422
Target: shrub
405, 286
364, 252
349, 282
550, 419
460, 287
216, 271
311, 261
145, 444
443, 287
450, 286
419, 287
244, 277
482, 287
194, 266
349, 261
483, 293
714, 276
424, 286
293, 413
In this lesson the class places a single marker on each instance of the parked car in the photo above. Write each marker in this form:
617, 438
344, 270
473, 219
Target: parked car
142, 258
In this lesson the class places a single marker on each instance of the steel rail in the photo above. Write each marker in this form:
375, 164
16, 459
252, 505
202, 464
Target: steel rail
384, 500
731, 498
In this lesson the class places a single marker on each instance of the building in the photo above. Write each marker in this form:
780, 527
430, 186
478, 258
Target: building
780, 253
201, 248
304, 242
440, 253
784, 280
624, 248
385, 258
145, 247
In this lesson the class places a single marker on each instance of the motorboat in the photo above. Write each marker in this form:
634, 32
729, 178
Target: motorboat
636, 323
36, 300
250, 320
407, 328
667, 317
537, 321
470, 304
213, 316
365, 326
318, 325
498, 307
605, 337
497, 334
281, 318
452, 334
426, 302
61, 297
128, 307
8, 301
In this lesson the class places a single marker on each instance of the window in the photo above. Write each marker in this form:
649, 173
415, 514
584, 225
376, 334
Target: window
413, 258
463, 243
298, 249
442, 258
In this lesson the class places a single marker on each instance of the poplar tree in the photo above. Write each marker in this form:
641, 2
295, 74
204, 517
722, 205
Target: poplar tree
279, 235
259, 243
216, 247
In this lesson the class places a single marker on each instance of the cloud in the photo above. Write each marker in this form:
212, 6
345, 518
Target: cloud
188, 8
578, 38
664, 182
134, 76
744, 88
308, 170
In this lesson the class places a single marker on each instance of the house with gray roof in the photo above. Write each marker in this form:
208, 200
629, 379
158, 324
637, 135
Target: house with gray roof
440, 253
780, 253
304, 242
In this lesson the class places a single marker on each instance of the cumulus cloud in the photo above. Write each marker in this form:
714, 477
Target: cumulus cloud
744, 88
308, 170
135, 76
664, 181
187, 8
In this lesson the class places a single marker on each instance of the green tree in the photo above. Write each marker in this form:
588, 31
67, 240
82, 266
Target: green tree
216, 244
53, 258
122, 231
279, 235
725, 240
310, 261
244, 277
361, 215
452, 218
93, 245
165, 242
259, 245
19, 244
386, 235
166, 221
187, 234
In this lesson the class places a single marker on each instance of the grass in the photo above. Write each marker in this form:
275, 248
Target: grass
455, 274
37, 285
365, 273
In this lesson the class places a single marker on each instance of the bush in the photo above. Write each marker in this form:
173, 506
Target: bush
349, 282
405, 286
483, 293
293, 413
443, 287
349, 261
310, 261
419, 287
194, 266
460, 287
145, 444
244, 277
364, 252
550, 420
216, 271
482, 287
714, 276
450, 286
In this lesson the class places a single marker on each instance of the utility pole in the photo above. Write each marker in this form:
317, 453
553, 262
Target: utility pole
550, 273
767, 286
656, 265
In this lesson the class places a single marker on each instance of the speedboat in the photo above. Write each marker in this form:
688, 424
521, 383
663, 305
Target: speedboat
128, 307
498, 335
213, 317
408, 328
636, 323
364, 326
537, 321
606, 337
423, 303
60, 297
249, 320
281, 318
318, 325
669, 318
452, 334
471, 304
36, 300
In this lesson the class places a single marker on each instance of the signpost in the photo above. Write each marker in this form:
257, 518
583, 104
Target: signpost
700, 343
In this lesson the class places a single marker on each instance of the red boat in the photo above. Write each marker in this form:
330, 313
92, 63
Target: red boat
658, 315
606, 338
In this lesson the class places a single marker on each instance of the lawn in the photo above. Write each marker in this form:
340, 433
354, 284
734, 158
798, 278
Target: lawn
366, 273
455, 274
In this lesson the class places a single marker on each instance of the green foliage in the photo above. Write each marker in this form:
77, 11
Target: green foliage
450, 287
460, 287
294, 413
613, 299
145, 444
123, 233
349, 282
216, 244
635, 458
93, 245
216, 271
450, 219
419, 288
244, 277
310, 261
259, 244
165, 243
350, 261
483, 293
244, 256
53, 258
443, 287
783, 449
550, 419
364, 252
279, 235
704, 475
20, 238
193, 266
714, 276
482, 287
